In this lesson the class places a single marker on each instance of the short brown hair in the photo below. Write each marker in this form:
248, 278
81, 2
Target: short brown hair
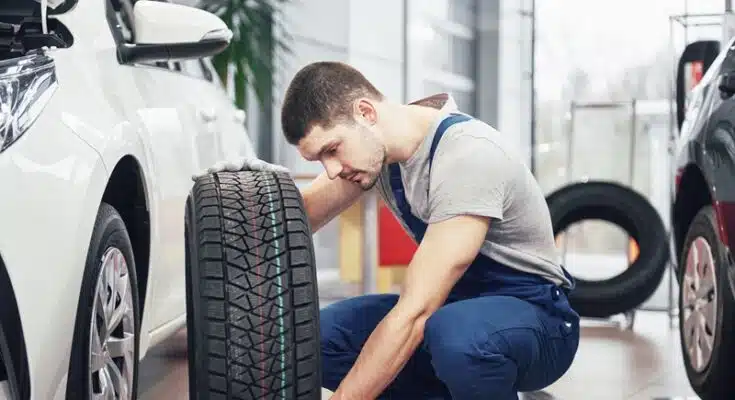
321, 94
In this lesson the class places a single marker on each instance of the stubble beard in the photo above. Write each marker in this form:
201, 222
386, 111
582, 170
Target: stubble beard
374, 175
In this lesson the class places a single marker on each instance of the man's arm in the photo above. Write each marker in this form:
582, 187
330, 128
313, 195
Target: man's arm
324, 199
444, 254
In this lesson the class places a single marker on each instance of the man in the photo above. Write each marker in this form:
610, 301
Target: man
483, 311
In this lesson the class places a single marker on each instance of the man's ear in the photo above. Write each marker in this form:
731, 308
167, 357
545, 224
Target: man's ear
365, 109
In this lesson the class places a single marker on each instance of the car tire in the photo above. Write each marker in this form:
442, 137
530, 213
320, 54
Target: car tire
624, 207
252, 299
109, 295
711, 376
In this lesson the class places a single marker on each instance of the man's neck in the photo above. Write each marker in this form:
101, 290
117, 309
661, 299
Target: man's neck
412, 124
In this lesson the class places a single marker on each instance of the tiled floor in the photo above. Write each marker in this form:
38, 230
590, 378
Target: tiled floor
612, 364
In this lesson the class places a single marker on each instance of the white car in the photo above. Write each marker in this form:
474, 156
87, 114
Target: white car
101, 130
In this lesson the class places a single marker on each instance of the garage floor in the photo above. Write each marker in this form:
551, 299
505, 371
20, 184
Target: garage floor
612, 364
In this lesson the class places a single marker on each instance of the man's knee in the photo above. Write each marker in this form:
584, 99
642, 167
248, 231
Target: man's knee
469, 362
496, 345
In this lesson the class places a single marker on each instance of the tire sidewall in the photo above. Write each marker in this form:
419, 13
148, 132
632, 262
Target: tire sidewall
704, 225
630, 211
109, 232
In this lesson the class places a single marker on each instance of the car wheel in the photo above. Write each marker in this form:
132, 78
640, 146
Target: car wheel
705, 310
105, 346
252, 303
629, 210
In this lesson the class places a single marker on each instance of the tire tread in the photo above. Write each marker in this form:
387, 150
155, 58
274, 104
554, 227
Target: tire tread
258, 297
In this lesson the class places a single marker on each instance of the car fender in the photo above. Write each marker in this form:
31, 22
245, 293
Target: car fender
55, 177
124, 139
717, 163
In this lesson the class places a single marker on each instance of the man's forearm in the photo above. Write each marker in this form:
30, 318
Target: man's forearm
383, 356
324, 199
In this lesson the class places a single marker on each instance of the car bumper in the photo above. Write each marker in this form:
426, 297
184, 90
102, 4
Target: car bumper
46, 214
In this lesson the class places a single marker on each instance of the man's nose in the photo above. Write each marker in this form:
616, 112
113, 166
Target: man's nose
333, 168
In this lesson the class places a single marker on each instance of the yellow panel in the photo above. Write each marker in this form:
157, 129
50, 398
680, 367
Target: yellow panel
389, 276
350, 243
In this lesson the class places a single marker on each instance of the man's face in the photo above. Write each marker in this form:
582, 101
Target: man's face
349, 150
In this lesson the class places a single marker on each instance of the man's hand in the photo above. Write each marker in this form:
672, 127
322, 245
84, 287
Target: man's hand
241, 164
443, 256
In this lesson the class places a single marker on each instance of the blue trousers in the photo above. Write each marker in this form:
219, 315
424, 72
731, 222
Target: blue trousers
478, 348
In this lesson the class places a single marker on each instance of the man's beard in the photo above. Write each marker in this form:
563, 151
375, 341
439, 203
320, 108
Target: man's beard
374, 176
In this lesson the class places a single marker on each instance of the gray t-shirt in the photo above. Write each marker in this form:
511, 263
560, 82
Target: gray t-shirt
476, 171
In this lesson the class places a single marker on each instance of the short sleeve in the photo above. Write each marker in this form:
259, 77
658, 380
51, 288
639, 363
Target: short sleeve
470, 174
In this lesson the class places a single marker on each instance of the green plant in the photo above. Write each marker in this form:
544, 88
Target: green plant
252, 51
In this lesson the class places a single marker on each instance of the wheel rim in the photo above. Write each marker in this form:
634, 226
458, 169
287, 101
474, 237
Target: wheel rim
699, 304
112, 331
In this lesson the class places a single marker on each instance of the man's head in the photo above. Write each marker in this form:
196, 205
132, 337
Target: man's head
330, 112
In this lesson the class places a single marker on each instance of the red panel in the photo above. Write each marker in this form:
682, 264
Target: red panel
395, 246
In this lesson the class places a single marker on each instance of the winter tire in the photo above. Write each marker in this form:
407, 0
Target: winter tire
252, 301
104, 355
706, 306
630, 211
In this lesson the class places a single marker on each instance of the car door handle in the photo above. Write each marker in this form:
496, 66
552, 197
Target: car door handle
207, 114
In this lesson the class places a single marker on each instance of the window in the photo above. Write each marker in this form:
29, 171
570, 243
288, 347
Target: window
451, 53
196, 69
445, 54
459, 11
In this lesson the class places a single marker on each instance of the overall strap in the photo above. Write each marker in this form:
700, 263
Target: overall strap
418, 227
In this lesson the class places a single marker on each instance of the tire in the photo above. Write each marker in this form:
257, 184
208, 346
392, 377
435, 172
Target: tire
110, 252
630, 211
713, 378
253, 329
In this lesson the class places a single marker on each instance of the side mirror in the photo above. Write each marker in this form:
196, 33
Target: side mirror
693, 64
166, 31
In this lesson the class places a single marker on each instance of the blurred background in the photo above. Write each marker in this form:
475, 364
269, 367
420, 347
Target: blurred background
582, 86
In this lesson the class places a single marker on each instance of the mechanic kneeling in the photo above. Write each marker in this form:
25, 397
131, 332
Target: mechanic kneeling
483, 312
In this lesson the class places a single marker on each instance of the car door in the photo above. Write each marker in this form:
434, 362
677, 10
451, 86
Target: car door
223, 135
197, 92
169, 132
237, 141
173, 136
716, 148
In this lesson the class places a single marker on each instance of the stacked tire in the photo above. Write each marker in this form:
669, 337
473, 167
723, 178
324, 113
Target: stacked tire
252, 297
626, 208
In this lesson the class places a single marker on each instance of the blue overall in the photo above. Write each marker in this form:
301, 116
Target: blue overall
500, 332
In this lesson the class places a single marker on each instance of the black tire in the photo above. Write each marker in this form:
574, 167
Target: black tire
624, 207
109, 234
716, 380
253, 329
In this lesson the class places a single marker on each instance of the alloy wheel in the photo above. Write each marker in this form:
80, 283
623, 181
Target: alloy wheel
112, 331
699, 304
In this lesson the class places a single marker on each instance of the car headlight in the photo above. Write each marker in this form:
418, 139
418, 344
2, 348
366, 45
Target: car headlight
26, 85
